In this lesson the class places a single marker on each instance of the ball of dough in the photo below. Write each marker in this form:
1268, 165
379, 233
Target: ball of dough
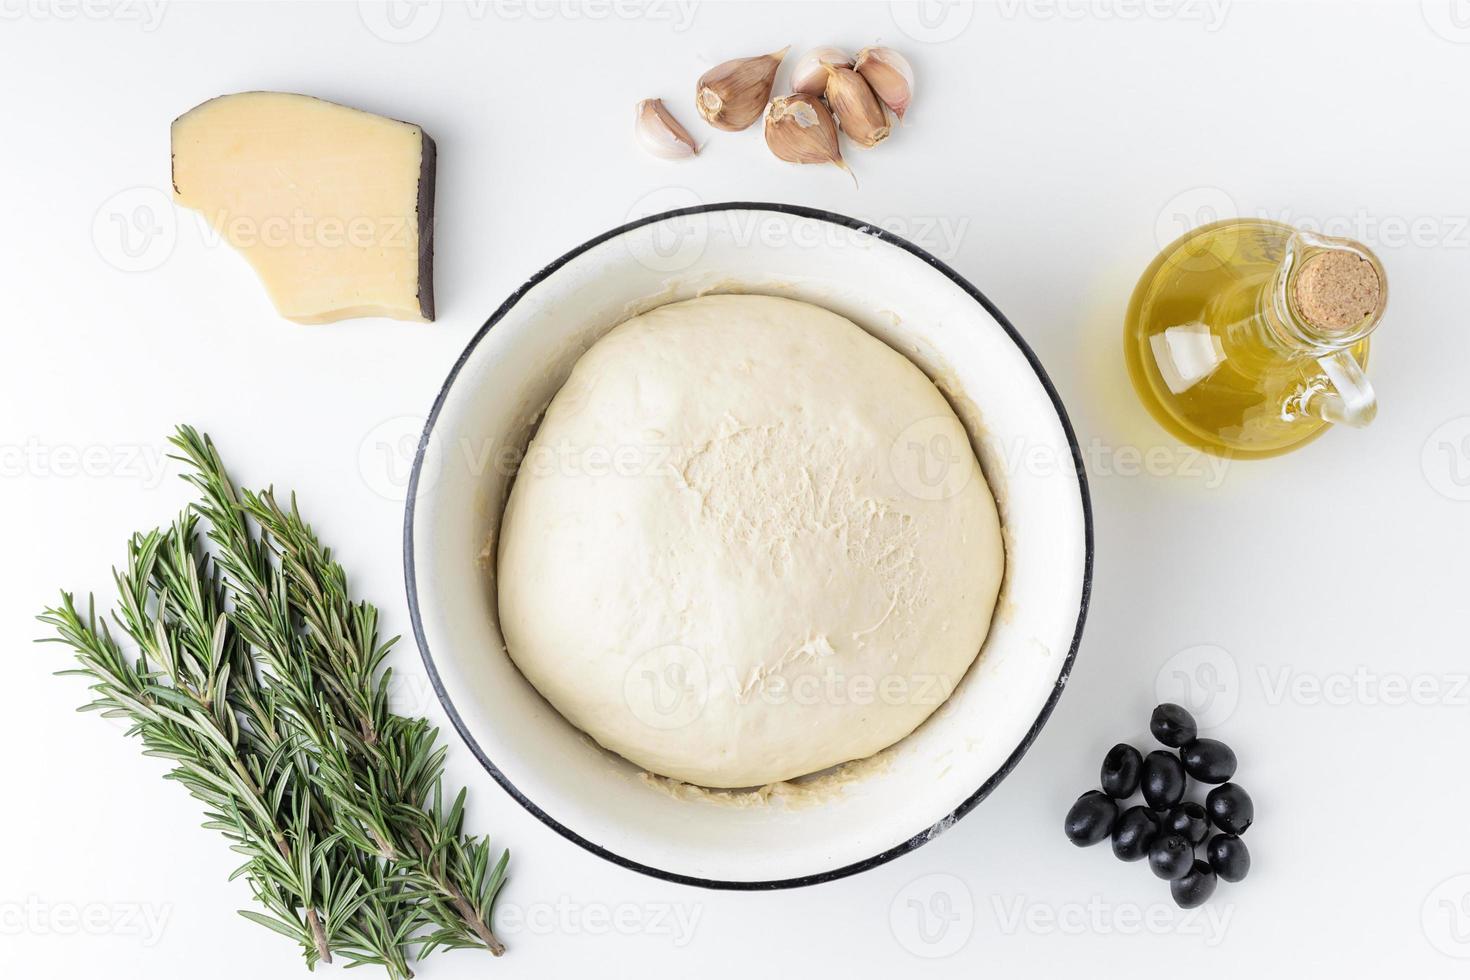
749, 541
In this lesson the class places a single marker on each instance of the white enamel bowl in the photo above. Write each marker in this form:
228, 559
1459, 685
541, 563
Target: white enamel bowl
484, 417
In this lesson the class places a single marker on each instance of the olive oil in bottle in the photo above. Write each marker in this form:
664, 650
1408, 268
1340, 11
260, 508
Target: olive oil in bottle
1248, 338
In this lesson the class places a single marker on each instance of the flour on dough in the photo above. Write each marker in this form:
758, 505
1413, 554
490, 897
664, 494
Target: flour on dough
748, 542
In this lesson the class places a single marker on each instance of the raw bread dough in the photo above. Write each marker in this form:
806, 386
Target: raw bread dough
749, 541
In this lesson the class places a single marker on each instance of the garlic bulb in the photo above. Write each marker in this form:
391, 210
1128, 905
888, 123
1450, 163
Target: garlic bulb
659, 132
731, 95
810, 72
858, 110
890, 75
799, 129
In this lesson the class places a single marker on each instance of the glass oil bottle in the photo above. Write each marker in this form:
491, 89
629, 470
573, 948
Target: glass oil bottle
1248, 338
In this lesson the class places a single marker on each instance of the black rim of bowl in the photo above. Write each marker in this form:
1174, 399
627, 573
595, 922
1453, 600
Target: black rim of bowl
882, 857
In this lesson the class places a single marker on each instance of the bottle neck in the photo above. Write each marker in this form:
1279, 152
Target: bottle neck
1327, 295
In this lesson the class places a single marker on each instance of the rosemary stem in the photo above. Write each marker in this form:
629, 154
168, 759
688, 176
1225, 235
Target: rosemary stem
461, 904
313, 919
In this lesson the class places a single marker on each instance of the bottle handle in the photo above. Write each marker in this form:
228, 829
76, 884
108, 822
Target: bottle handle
1340, 394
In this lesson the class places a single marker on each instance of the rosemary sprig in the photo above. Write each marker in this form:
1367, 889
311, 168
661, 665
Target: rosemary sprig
190, 594
384, 772
264, 683
176, 696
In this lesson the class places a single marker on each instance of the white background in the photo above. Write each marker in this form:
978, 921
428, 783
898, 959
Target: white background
1052, 149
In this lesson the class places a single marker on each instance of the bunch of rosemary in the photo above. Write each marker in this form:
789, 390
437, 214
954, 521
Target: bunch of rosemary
262, 681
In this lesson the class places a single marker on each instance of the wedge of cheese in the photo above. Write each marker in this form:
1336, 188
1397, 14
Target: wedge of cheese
332, 206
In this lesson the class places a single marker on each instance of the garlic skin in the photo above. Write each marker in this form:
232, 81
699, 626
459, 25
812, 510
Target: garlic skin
732, 94
800, 129
890, 75
809, 74
660, 134
857, 108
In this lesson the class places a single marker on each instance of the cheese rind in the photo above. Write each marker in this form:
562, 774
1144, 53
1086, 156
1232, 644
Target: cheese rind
332, 206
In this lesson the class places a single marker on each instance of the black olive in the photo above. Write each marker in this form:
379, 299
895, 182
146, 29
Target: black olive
1120, 770
1228, 856
1134, 833
1172, 725
1091, 818
1189, 821
1195, 887
1170, 856
1163, 780
1231, 808
1208, 760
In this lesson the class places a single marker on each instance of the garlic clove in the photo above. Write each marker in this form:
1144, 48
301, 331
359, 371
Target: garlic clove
732, 94
660, 134
890, 75
810, 72
857, 108
800, 129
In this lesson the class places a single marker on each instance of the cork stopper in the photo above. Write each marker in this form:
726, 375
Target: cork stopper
1337, 290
